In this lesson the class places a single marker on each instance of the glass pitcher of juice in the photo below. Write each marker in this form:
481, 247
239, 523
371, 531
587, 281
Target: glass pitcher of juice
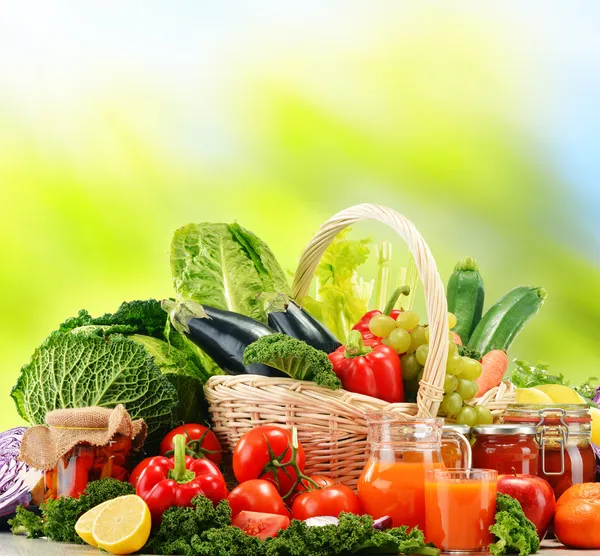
393, 480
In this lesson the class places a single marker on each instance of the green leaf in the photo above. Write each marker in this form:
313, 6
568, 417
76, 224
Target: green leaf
341, 299
81, 370
224, 266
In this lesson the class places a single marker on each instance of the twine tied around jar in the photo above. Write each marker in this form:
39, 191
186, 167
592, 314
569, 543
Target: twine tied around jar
43, 445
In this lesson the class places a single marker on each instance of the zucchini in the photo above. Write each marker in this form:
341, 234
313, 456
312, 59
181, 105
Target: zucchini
465, 297
501, 324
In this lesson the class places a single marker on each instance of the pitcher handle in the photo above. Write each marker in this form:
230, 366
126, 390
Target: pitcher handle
464, 446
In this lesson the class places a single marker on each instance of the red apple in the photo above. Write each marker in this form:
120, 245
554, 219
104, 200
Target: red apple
535, 496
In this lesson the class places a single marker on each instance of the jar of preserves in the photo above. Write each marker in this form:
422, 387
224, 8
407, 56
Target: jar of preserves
507, 448
85, 463
80, 445
564, 434
456, 450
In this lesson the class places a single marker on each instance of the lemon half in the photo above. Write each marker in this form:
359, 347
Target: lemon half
123, 525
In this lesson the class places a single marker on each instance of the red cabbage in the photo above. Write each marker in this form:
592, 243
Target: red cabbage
595, 446
17, 479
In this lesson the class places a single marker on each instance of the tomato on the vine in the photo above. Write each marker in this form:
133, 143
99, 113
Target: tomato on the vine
200, 442
256, 495
260, 454
330, 500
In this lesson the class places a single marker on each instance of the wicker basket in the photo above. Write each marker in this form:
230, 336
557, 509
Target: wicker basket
331, 424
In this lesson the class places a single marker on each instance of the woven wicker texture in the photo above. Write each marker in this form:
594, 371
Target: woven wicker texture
331, 424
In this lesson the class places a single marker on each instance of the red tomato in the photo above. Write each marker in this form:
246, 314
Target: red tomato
137, 471
261, 525
256, 495
201, 442
330, 500
303, 486
251, 457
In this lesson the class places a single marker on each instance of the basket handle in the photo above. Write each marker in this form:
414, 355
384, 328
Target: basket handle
431, 387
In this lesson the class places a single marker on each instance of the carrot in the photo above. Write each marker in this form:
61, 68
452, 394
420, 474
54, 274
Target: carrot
494, 365
457, 339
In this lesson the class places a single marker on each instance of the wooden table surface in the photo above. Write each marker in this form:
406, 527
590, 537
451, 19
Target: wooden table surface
20, 546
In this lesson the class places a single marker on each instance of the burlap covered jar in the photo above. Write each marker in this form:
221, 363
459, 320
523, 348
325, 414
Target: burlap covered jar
80, 445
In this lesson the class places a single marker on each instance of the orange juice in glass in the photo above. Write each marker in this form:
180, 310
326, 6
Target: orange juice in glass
393, 481
460, 508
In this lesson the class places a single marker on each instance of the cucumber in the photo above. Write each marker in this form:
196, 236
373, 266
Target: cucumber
501, 324
465, 297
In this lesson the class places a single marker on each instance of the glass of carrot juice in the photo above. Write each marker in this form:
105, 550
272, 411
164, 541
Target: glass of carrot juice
460, 507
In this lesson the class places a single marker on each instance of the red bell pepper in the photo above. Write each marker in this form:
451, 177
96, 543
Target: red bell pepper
175, 481
373, 369
363, 324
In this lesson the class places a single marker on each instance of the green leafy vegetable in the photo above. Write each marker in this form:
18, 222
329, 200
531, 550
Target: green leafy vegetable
59, 516
225, 266
81, 370
354, 534
469, 352
180, 524
514, 533
27, 523
342, 299
525, 375
293, 357
88, 347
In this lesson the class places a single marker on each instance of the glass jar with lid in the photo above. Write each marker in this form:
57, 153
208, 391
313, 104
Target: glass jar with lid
564, 435
456, 450
507, 448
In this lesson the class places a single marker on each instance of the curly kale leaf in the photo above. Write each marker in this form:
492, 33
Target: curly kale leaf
293, 357
514, 533
73, 370
134, 317
26, 522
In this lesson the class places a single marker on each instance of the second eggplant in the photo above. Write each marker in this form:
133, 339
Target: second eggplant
291, 319
222, 335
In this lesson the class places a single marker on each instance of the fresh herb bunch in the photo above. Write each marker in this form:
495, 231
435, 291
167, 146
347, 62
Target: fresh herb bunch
525, 375
59, 516
514, 533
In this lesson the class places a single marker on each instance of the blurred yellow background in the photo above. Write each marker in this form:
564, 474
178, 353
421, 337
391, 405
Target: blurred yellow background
120, 122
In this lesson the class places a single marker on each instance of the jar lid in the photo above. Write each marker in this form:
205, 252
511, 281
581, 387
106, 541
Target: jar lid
462, 429
568, 413
505, 429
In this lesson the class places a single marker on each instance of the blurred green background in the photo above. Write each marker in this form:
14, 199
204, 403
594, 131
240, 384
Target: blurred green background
120, 122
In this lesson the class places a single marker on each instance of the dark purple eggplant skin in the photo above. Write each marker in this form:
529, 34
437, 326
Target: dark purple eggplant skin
300, 324
224, 335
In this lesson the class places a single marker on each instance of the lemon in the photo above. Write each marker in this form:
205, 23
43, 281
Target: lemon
532, 395
595, 425
123, 525
561, 394
83, 527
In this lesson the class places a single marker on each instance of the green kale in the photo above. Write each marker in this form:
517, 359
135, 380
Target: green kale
26, 522
102, 490
135, 317
354, 534
468, 352
227, 541
514, 533
59, 516
180, 524
293, 357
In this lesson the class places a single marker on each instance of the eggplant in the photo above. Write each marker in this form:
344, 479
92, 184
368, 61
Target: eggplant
222, 335
291, 319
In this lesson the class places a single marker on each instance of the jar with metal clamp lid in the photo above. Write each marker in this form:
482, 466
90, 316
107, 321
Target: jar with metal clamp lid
564, 434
